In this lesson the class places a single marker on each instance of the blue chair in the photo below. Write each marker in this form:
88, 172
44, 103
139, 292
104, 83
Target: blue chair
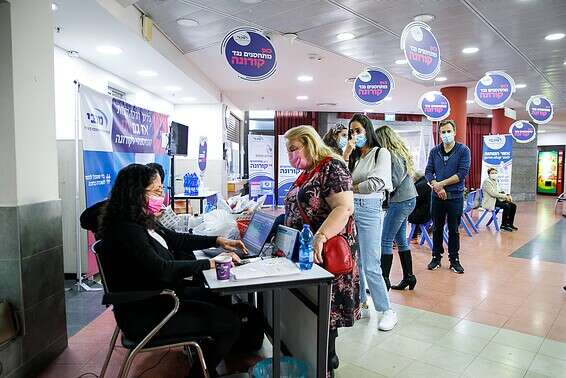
467, 222
492, 216
424, 233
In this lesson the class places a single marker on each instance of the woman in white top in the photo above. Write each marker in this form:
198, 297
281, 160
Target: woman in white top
371, 174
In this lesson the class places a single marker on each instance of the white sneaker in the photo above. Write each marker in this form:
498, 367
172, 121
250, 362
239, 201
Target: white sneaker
388, 320
365, 311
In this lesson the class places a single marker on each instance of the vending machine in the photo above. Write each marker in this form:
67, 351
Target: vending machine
550, 170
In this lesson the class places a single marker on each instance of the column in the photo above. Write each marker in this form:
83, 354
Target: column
499, 123
458, 109
31, 255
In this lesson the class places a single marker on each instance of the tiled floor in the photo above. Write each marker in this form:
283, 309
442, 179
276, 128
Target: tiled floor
504, 317
81, 307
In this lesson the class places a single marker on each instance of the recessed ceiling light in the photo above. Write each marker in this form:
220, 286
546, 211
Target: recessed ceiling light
109, 50
424, 17
147, 73
469, 101
490, 116
187, 22
470, 50
251, 1
326, 104
345, 36
54, 6
401, 61
520, 86
188, 99
565, 62
302, 98
173, 88
554, 36
441, 78
305, 78
388, 98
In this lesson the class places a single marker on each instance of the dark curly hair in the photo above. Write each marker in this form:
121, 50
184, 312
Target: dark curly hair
127, 200
331, 138
370, 135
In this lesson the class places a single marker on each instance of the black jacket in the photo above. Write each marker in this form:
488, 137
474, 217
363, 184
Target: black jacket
89, 217
421, 213
133, 260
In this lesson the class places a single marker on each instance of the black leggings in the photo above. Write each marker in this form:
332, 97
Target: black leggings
204, 314
509, 210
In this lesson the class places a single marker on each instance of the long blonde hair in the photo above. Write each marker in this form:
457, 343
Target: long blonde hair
313, 143
388, 138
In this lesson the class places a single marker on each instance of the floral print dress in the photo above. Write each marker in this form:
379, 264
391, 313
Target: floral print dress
333, 177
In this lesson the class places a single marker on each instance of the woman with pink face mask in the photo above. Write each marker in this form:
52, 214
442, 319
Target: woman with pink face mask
323, 194
140, 254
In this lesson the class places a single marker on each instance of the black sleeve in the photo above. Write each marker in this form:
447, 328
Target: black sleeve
145, 256
89, 217
186, 242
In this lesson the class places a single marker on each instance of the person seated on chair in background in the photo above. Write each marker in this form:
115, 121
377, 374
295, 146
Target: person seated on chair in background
336, 138
140, 254
421, 213
494, 197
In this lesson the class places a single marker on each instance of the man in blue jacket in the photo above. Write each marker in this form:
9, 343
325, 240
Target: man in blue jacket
447, 167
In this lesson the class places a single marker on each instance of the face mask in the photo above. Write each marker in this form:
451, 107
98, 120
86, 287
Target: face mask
154, 204
297, 160
342, 142
493, 176
447, 138
361, 140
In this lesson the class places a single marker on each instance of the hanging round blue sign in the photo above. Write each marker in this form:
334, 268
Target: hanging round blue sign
494, 90
522, 131
250, 53
372, 86
434, 105
540, 109
421, 50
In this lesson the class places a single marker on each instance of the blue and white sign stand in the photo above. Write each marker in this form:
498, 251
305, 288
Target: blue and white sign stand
540, 109
372, 86
202, 159
421, 49
494, 89
434, 105
498, 153
250, 53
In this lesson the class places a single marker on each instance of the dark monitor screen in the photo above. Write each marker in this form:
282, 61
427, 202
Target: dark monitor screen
179, 139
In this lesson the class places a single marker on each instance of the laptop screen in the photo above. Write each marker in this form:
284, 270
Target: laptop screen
286, 240
257, 232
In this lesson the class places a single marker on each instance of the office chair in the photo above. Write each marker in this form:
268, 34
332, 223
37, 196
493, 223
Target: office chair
150, 342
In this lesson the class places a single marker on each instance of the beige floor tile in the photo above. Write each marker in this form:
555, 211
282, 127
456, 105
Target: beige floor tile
383, 362
422, 332
349, 351
470, 328
462, 343
552, 367
554, 349
508, 355
447, 359
419, 369
481, 368
352, 371
518, 340
405, 346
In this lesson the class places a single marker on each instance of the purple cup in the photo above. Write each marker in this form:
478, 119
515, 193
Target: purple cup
223, 265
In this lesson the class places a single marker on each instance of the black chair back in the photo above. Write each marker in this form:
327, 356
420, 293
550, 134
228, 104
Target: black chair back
97, 249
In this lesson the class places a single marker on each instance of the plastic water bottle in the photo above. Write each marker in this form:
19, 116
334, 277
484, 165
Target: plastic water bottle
306, 250
187, 184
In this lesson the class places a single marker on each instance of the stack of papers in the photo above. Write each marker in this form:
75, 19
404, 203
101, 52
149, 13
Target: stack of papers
265, 268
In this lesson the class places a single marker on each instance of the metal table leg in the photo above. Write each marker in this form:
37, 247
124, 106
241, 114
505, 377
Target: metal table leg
323, 322
277, 333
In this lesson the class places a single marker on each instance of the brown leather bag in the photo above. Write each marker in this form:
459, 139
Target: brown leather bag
9, 326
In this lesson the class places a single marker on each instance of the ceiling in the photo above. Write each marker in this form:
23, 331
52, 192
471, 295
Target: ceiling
509, 33
85, 24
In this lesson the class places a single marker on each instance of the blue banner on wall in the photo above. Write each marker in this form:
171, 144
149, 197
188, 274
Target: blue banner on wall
498, 153
522, 131
372, 86
540, 109
250, 53
494, 90
260, 164
434, 105
421, 50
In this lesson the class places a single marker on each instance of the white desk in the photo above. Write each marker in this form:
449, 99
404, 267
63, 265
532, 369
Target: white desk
201, 196
315, 277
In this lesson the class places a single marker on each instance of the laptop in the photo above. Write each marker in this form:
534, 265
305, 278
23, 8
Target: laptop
287, 242
254, 238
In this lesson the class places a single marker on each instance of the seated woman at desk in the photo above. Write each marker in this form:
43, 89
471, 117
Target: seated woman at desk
142, 255
323, 193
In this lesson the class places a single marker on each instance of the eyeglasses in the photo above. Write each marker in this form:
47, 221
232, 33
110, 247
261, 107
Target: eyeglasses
155, 190
292, 148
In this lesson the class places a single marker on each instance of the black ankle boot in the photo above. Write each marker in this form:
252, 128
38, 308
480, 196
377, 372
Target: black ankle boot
334, 362
409, 279
386, 261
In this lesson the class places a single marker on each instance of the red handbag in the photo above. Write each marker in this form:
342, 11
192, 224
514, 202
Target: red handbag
336, 252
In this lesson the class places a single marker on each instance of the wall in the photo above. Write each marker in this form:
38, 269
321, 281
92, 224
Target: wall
203, 120
551, 139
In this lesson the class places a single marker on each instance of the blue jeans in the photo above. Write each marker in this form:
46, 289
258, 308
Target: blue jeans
395, 226
449, 211
369, 218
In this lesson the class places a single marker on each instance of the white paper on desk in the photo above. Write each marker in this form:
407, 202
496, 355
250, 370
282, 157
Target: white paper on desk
265, 268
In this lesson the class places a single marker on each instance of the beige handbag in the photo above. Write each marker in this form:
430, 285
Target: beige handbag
9, 326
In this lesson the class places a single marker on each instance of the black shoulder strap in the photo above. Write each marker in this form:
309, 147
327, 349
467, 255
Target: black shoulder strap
376, 155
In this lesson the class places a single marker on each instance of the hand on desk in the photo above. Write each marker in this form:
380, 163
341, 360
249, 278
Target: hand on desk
231, 245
